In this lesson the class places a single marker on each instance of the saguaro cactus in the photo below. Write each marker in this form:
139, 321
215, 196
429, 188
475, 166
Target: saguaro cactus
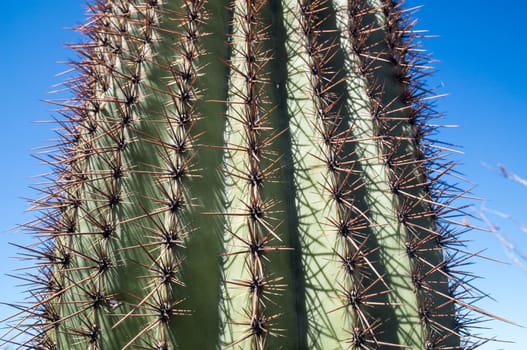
248, 174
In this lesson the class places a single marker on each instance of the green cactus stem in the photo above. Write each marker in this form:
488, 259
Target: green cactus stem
248, 174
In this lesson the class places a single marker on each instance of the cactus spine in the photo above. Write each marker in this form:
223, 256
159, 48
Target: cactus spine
249, 174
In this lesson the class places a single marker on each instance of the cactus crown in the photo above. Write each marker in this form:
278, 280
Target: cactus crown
249, 174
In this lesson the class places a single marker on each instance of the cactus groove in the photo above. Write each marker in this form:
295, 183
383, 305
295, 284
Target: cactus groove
248, 174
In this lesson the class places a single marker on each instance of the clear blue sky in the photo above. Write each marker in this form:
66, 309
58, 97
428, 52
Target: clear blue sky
481, 49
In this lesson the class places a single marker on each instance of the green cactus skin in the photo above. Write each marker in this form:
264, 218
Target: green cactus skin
248, 174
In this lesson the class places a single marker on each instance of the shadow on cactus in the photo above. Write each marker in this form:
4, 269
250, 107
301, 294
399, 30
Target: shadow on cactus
248, 175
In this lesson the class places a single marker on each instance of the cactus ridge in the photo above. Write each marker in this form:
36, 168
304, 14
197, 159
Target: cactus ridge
264, 172
250, 215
